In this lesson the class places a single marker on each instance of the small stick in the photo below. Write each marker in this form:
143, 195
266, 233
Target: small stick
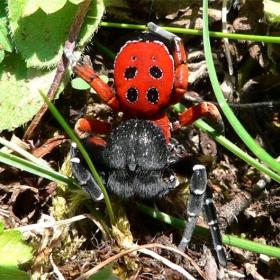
70, 44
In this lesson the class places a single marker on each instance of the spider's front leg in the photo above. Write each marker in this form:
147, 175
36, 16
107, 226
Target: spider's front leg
204, 109
92, 78
200, 199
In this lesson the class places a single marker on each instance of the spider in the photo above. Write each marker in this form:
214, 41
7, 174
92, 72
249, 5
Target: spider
139, 159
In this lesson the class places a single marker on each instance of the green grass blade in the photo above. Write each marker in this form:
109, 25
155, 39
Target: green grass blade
36, 169
75, 139
178, 30
24, 153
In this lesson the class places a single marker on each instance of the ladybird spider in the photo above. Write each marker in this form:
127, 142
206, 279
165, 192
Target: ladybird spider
138, 159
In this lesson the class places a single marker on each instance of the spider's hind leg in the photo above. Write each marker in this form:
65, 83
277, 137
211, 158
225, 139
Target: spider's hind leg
200, 199
210, 217
198, 186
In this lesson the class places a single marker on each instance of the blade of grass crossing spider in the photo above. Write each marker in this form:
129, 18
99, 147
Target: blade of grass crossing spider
69, 131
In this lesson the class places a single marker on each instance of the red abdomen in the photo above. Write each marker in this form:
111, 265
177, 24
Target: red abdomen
144, 76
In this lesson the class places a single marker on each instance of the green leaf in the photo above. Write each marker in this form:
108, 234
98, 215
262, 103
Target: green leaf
30, 7
272, 11
79, 83
41, 46
20, 99
1, 227
104, 78
13, 249
90, 26
76, 1
5, 42
11, 273
50, 7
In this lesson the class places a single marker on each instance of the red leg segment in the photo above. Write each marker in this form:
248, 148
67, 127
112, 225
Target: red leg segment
179, 52
181, 71
104, 91
204, 109
93, 126
180, 83
98, 141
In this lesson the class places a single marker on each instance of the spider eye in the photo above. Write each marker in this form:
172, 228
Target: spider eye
132, 95
130, 72
155, 72
152, 95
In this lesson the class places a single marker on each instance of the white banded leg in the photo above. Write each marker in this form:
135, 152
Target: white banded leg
198, 186
70, 56
201, 200
162, 32
210, 217
82, 174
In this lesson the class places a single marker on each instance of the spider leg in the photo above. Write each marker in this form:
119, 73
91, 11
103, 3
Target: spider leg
200, 199
204, 109
80, 170
93, 125
92, 78
210, 217
198, 186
